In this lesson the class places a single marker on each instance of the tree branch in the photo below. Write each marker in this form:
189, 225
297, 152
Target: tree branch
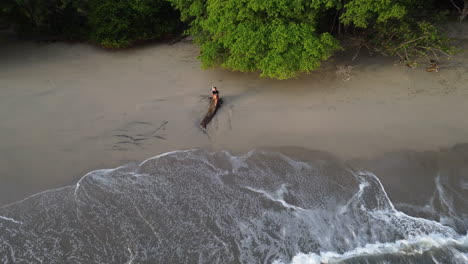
458, 8
357, 53
408, 42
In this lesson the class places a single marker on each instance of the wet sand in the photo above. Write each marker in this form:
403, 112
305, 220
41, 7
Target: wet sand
68, 109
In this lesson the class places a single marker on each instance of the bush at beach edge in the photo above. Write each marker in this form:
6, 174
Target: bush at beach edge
279, 39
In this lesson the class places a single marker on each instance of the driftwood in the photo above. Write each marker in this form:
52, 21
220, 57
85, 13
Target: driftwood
211, 112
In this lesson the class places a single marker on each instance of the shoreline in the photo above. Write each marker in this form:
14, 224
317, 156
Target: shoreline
67, 109
409, 178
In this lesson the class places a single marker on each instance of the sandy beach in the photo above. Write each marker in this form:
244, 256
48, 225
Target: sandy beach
67, 109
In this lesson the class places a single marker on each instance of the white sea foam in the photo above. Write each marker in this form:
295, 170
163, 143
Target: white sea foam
166, 154
78, 184
360, 223
11, 220
412, 246
132, 257
416, 243
294, 163
34, 195
362, 186
238, 162
277, 196
386, 200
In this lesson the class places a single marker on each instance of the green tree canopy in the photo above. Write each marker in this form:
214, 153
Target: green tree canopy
109, 23
282, 38
120, 23
54, 18
279, 38
363, 12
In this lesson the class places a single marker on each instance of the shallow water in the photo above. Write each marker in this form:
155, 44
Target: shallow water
261, 207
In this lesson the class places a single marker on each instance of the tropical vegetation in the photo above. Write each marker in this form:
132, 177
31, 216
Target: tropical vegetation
276, 38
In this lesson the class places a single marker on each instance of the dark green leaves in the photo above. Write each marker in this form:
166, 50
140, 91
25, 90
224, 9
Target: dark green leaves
363, 12
277, 37
119, 23
110, 23
281, 38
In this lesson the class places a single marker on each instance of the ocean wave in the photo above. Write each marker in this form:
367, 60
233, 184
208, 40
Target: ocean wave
408, 247
196, 206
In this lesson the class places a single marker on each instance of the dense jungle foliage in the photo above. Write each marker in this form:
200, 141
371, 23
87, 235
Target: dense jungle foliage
277, 38
110, 23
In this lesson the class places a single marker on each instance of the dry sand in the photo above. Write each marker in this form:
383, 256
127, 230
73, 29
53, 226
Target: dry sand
68, 109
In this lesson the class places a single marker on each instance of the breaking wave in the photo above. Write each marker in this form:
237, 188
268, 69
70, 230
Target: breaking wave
261, 207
